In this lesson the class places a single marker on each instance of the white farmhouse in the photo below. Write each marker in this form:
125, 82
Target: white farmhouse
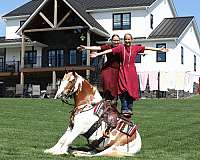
42, 36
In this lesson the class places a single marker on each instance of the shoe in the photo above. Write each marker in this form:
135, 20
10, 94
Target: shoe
127, 112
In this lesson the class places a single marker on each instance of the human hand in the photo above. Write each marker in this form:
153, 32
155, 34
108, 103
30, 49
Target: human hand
93, 54
81, 48
163, 49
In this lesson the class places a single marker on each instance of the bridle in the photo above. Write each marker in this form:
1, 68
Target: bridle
70, 90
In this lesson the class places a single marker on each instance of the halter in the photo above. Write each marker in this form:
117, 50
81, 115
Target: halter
70, 88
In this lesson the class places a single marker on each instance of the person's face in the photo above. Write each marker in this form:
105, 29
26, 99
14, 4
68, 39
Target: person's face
115, 41
128, 40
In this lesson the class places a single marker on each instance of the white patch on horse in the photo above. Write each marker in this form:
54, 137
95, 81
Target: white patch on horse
84, 120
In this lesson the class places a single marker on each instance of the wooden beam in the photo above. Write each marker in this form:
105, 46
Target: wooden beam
64, 18
54, 29
55, 13
22, 59
88, 55
50, 69
46, 19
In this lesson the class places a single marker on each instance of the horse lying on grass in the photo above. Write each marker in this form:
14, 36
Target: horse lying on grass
108, 132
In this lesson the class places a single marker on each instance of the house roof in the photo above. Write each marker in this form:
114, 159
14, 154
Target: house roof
26, 9
171, 27
30, 7
78, 7
104, 4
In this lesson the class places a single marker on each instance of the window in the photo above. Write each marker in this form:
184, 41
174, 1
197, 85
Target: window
21, 23
30, 57
182, 55
121, 21
195, 63
72, 58
161, 56
138, 58
84, 57
56, 58
151, 21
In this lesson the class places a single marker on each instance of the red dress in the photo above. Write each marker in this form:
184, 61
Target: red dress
128, 79
109, 72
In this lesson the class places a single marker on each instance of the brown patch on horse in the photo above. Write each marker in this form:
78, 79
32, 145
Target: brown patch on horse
84, 94
119, 138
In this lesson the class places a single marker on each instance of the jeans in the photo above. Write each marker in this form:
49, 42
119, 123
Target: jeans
126, 102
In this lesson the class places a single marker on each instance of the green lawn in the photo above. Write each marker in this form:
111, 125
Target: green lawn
169, 129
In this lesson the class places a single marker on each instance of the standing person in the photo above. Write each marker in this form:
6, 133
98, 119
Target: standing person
110, 69
127, 80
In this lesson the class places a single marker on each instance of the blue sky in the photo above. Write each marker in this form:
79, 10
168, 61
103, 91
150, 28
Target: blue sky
183, 8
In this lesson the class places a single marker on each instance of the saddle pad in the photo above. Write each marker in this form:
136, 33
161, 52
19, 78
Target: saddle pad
126, 127
99, 109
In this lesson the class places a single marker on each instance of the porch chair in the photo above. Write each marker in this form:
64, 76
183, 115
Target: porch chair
19, 92
36, 91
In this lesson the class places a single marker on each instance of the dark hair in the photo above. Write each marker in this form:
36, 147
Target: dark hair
128, 34
115, 35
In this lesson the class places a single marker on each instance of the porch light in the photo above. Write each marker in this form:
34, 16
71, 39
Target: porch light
82, 37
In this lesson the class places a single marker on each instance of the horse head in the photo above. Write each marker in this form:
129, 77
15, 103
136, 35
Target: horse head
72, 83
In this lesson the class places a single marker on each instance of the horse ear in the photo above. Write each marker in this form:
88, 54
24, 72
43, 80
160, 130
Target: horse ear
66, 71
74, 73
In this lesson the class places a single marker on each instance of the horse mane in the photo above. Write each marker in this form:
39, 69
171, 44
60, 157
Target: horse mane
85, 93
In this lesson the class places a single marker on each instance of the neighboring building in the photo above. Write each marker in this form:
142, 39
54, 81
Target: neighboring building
42, 36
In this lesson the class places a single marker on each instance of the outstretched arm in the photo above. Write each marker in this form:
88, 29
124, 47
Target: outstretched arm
95, 54
94, 48
157, 49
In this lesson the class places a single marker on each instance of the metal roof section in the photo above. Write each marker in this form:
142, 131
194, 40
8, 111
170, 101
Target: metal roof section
26, 9
171, 27
94, 26
30, 7
108, 4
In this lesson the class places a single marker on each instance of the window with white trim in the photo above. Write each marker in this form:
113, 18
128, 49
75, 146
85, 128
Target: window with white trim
121, 21
161, 56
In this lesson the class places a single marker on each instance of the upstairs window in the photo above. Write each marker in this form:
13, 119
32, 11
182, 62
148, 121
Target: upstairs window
56, 58
151, 21
138, 58
182, 55
161, 56
84, 57
122, 21
72, 58
195, 63
30, 57
21, 23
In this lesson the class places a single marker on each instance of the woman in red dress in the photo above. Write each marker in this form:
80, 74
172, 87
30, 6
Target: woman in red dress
127, 81
110, 69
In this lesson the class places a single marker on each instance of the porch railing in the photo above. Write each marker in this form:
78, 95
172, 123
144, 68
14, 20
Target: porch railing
10, 66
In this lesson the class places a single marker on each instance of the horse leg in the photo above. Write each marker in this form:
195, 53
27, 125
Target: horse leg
66, 141
81, 125
59, 144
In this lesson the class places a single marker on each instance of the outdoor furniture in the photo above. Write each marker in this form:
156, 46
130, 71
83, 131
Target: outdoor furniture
35, 90
19, 90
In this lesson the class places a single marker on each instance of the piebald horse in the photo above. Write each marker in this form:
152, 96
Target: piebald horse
111, 136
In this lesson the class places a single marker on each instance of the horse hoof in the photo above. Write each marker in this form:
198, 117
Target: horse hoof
82, 154
60, 153
47, 151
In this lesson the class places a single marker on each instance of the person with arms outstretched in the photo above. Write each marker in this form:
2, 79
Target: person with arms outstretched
128, 87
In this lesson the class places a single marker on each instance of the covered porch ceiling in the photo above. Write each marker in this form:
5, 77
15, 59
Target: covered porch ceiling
61, 17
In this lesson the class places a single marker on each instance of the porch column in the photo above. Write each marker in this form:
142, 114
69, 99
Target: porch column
22, 59
88, 55
54, 80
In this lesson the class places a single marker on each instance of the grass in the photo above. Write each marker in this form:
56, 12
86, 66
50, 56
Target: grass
169, 129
